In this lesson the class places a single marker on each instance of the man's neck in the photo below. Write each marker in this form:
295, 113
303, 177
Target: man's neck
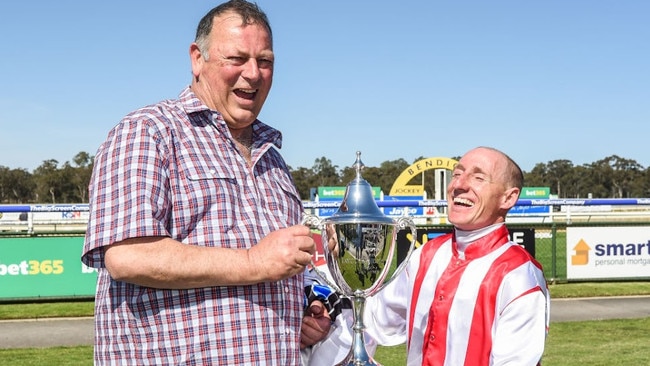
466, 238
244, 141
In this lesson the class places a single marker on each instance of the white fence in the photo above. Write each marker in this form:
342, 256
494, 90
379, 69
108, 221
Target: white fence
74, 217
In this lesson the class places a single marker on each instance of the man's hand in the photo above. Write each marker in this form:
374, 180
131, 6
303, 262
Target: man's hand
316, 324
283, 253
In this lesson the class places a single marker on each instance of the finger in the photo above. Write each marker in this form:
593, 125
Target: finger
316, 309
312, 329
307, 246
303, 260
300, 230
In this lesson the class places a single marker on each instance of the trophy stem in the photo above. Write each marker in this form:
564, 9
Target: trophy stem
358, 355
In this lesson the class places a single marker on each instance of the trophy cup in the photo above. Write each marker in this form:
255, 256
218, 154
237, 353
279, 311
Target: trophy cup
365, 257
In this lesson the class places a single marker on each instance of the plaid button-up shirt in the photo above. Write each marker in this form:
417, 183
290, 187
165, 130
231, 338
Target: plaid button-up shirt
171, 169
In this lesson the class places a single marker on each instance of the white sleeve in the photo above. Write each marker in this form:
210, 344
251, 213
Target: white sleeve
386, 312
521, 331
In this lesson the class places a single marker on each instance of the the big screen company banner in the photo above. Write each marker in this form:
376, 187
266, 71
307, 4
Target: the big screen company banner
608, 252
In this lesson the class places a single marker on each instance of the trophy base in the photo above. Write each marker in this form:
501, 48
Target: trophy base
358, 355
359, 360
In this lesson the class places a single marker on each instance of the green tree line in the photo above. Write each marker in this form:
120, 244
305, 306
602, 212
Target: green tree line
611, 177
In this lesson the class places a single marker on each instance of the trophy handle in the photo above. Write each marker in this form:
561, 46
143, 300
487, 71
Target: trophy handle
316, 223
402, 223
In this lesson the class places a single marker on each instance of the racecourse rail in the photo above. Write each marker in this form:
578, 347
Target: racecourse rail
40, 244
388, 203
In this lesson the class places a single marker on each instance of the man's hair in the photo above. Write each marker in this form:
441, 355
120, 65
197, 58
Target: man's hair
513, 175
249, 12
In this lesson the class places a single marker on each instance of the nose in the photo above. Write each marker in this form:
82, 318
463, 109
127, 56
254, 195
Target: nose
251, 70
458, 182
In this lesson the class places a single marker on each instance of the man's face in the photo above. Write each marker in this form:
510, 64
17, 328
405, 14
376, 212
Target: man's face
237, 76
476, 195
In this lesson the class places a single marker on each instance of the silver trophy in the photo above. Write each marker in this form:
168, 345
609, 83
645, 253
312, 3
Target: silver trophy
364, 258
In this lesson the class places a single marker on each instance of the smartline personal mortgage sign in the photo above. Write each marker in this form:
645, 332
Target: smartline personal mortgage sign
608, 252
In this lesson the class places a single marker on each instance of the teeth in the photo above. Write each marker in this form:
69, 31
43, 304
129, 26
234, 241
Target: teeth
250, 91
463, 201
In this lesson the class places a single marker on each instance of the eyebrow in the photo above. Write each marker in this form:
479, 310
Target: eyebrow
473, 170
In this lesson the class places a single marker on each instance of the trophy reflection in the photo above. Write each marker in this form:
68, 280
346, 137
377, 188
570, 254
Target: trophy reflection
361, 253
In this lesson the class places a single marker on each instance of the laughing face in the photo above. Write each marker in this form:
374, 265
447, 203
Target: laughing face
480, 193
235, 76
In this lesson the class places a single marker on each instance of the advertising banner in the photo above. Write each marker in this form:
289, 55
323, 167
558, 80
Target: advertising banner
41, 267
335, 194
397, 211
532, 193
608, 252
525, 237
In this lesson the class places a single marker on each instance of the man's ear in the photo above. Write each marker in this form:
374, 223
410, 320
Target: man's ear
197, 60
510, 197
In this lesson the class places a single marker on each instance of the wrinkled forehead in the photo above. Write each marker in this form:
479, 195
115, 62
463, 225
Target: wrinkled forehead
233, 19
483, 160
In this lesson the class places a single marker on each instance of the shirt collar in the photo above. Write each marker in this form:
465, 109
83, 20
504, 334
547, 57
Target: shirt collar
477, 243
262, 132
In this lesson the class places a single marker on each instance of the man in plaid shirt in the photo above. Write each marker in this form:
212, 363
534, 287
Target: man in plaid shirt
194, 218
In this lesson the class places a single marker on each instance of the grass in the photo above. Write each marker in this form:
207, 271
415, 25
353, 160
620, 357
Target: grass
85, 308
606, 342
63, 356
593, 343
594, 289
46, 310
599, 343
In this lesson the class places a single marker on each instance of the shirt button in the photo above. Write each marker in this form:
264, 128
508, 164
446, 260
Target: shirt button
440, 298
287, 331
286, 289
213, 172
432, 338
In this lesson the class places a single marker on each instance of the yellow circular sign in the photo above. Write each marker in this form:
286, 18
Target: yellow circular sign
401, 186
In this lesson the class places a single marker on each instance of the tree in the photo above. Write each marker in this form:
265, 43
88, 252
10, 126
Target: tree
557, 171
48, 181
81, 174
538, 177
304, 180
621, 174
326, 174
16, 185
576, 182
611, 177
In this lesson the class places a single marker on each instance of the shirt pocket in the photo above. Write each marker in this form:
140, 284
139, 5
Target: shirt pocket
282, 199
212, 200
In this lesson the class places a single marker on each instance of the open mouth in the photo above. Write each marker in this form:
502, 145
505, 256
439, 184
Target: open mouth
248, 94
463, 202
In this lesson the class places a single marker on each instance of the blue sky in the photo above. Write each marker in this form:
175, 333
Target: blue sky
541, 80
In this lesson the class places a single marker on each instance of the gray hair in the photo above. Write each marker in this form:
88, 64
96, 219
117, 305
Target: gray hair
249, 12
